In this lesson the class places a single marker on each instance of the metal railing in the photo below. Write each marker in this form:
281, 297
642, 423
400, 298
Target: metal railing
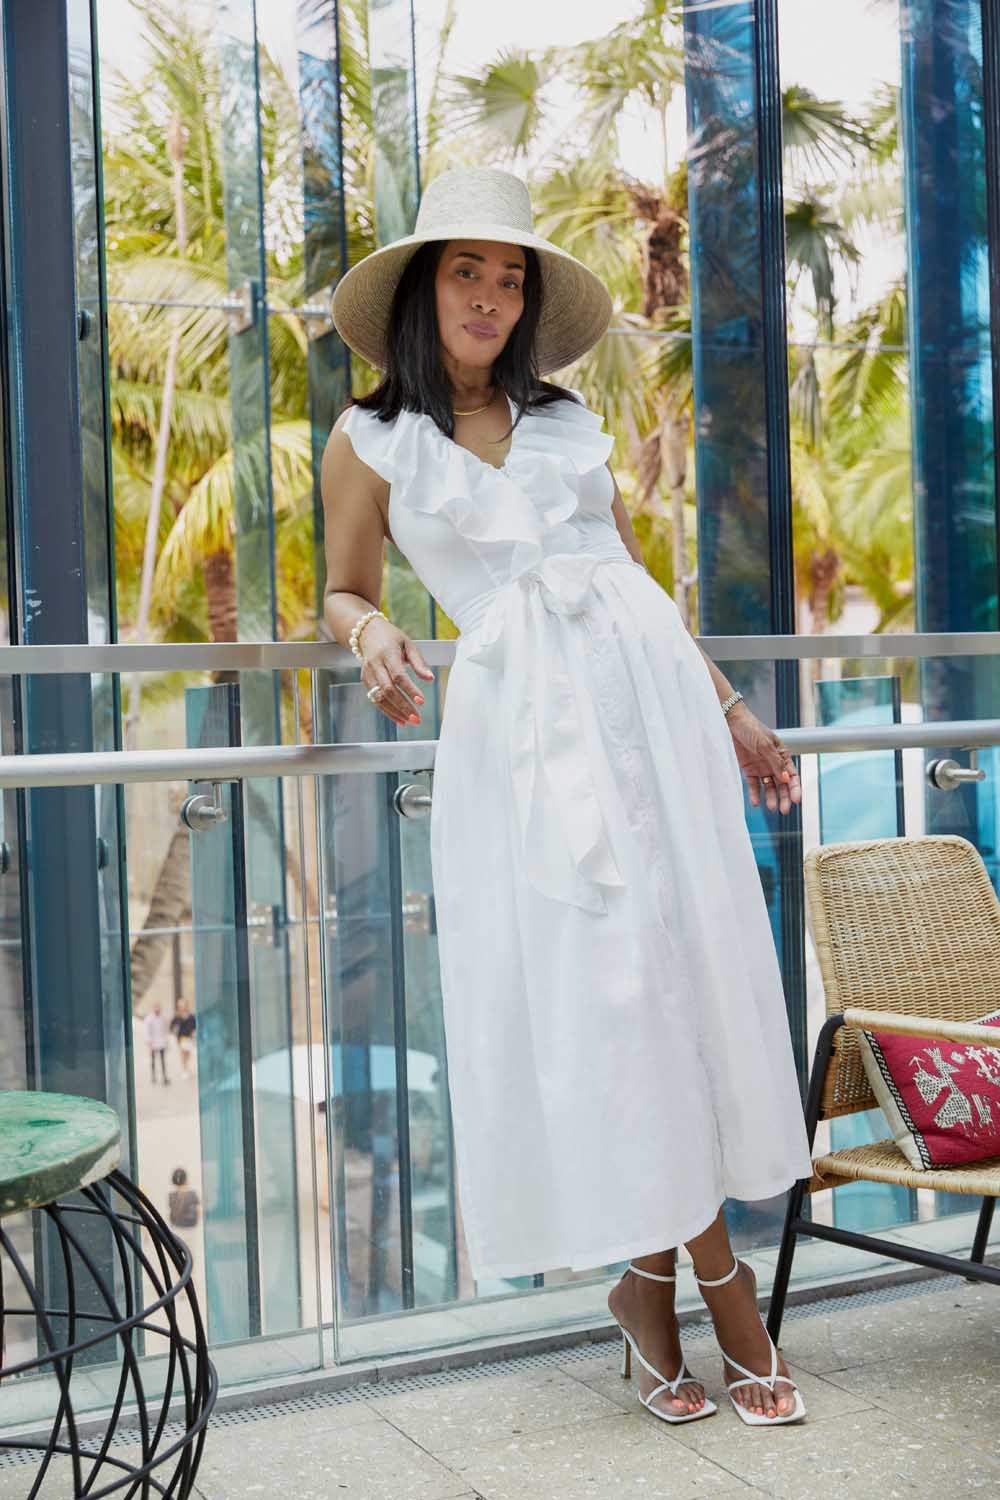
205, 656
237, 763
211, 767
225, 764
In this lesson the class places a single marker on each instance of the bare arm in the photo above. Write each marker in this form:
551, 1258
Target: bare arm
758, 749
354, 544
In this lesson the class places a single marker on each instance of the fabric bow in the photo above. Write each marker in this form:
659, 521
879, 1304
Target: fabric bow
567, 850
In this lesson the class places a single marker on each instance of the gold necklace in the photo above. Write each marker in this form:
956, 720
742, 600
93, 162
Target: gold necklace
475, 409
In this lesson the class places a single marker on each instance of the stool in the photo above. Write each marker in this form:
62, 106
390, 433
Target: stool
58, 1163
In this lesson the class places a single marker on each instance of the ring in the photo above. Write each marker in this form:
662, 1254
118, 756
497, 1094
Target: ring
374, 692
766, 780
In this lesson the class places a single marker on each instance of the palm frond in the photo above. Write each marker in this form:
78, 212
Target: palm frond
201, 421
819, 134
814, 242
205, 523
805, 403
501, 108
585, 209
867, 384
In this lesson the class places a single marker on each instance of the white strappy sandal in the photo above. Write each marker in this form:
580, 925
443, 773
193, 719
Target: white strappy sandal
752, 1418
684, 1375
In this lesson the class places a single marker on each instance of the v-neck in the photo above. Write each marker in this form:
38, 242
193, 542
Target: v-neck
497, 468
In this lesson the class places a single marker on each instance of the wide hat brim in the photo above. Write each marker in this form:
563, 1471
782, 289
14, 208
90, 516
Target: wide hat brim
576, 305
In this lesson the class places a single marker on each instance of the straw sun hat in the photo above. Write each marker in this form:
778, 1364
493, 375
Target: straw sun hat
476, 203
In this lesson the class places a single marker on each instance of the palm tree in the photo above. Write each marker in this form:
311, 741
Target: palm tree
165, 225
640, 247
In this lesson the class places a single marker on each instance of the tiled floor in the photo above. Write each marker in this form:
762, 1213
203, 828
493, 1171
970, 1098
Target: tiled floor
903, 1397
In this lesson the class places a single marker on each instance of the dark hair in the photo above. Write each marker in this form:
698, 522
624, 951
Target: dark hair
178, 1177
415, 378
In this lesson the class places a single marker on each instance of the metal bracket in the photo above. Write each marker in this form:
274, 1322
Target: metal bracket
317, 314
412, 800
241, 308
948, 775
200, 812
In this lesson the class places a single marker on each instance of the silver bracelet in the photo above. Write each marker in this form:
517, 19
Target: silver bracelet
730, 702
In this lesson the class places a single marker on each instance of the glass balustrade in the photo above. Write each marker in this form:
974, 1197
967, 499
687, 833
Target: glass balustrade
303, 1146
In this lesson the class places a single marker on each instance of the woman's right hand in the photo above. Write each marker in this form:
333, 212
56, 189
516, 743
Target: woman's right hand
387, 652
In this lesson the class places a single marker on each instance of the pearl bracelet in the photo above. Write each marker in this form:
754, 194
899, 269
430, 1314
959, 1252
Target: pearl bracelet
730, 702
357, 628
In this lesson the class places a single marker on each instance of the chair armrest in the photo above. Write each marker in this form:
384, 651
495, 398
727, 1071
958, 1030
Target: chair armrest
934, 1027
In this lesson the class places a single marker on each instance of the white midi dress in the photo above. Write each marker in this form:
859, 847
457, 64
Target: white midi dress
619, 1059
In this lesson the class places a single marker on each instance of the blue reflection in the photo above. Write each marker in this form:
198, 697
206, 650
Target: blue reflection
951, 376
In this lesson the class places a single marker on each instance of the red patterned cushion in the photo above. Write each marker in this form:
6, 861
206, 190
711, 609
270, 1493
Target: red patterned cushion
941, 1099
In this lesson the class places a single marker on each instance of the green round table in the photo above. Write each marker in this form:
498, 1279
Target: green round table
51, 1145
105, 1280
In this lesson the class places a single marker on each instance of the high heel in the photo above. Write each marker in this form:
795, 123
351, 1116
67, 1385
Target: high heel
751, 1418
684, 1375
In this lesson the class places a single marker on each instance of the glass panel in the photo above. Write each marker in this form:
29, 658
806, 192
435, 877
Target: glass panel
726, 315
60, 572
95, 435
253, 1078
365, 1023
193, 432
395, 197
439, 1272
256, 619
861, 797
276, 1062
944, 151
325, 232
225, 1050
248, 349
73, 1043
228, 1143
943, 142
393, 1240
394, 123
731, 426
892, 403
846, 252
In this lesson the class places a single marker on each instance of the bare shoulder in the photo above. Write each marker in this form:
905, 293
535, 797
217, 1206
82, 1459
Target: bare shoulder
346, 480
341, 452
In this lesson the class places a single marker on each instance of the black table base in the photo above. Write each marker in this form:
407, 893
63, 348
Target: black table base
101, 1312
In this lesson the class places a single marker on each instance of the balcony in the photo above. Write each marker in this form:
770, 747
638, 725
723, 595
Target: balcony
327, 1243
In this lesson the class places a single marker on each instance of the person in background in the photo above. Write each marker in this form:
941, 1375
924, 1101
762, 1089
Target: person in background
154, 1030
183, 1027
182, 1201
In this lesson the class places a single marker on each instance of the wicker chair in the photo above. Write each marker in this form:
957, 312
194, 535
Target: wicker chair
907, 933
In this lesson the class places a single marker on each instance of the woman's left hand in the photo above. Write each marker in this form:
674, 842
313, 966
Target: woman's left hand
764, 761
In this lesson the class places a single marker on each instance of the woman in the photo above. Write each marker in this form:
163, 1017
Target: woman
618, 1050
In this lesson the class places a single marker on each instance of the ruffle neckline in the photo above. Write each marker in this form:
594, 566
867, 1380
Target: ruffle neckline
537, 489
